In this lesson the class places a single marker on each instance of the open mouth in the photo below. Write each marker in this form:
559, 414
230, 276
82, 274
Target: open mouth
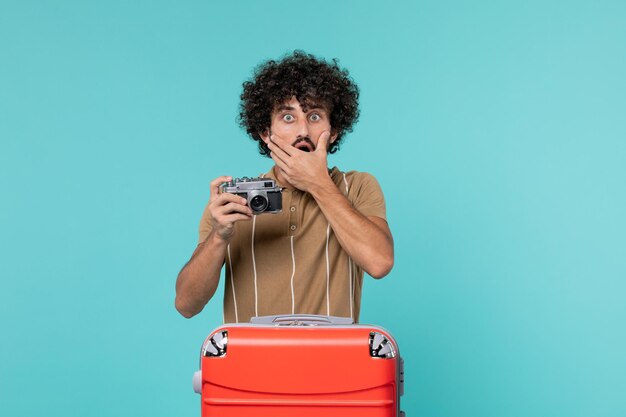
304, 144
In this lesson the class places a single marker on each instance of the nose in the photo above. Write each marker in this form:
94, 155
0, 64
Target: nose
303, 128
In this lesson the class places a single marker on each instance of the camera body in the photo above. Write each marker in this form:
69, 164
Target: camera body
262, 193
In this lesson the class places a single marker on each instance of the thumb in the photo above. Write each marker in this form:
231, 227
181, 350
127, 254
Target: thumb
322, 143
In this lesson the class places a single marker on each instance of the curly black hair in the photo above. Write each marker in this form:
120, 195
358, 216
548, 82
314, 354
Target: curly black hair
310, 80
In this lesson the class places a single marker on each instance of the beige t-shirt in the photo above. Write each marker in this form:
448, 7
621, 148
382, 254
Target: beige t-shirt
291, 262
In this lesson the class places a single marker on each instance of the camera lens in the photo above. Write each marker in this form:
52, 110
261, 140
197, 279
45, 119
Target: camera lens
258, 203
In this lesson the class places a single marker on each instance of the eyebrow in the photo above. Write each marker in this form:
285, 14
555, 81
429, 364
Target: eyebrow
312, 107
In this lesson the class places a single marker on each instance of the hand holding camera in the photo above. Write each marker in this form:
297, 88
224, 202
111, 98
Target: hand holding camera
261, 194
226, 209
234, 200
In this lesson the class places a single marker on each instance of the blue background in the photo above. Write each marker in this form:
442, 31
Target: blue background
495, 128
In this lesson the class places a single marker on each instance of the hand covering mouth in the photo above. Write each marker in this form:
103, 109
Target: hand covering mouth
304, 144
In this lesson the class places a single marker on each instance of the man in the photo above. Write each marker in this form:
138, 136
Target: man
310, 258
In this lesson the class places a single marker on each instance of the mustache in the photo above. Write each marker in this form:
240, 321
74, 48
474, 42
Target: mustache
305, 140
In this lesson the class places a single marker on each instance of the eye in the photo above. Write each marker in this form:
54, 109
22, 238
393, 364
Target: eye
315, 117
288, 118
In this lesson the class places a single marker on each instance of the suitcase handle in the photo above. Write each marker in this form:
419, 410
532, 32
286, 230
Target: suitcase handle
301, 320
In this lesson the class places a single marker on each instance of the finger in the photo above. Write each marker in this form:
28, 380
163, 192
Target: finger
281, 164
282, 144
284, 156
287, 177
225, 198
215, 184
231, 208
322, 142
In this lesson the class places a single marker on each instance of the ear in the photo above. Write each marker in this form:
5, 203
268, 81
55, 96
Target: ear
265, 136
333, 135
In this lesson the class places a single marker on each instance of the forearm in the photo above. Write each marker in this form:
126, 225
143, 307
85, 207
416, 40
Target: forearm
198, 280
369, 245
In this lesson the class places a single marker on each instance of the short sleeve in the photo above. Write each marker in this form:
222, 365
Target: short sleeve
205, 225
367, 196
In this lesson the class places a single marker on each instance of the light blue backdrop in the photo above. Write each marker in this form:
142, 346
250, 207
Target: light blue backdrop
495, 128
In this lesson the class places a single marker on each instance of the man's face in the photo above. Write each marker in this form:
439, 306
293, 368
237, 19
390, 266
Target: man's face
300, 126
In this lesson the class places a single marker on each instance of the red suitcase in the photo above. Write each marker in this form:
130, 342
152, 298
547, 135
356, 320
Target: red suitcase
300, 366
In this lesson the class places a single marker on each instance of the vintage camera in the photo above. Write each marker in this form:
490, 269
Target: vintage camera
262, 193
